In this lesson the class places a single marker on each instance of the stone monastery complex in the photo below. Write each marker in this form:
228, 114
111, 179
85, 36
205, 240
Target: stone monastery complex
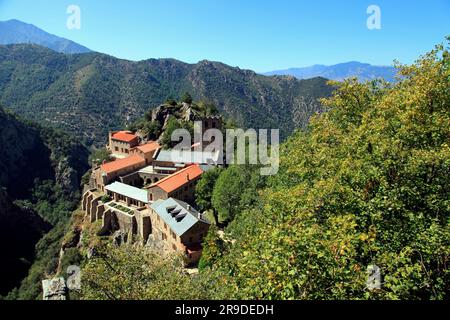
147, 195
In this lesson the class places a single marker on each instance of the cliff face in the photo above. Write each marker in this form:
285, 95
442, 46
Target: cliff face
30, 152
40, 172
24, 156
20, 230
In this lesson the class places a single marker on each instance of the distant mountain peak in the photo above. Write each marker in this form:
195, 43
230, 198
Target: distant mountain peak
341, 71
15, 32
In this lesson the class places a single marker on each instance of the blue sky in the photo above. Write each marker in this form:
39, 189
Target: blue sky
262, 35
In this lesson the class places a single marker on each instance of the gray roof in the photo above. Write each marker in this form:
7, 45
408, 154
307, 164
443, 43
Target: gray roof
128, 191
178, 215
187, 156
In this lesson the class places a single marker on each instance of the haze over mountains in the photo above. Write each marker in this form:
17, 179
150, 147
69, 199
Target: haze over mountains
15, 31
341, 71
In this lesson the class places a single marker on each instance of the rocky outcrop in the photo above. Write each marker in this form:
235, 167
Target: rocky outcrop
54, 289
119, 237
66, 176
182, 111
156, 243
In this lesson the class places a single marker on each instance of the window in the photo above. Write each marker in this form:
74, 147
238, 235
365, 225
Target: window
174, 247
116, 148
214, 125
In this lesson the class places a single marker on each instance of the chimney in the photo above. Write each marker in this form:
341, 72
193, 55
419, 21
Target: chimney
189, 207
187, 177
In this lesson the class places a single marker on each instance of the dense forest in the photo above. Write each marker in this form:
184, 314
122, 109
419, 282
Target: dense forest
89, 94
365, 184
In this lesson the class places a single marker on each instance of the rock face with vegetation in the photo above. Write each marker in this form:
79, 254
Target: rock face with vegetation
160, 122
20, 230
32, 152
40, 178
88, 94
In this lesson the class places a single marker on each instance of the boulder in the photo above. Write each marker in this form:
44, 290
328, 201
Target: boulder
54, 289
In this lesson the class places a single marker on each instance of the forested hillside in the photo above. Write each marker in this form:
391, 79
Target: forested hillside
366, 184
40, 179
88, 94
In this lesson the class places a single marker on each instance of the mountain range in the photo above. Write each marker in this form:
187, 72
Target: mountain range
339, 72
15, 31
89, 94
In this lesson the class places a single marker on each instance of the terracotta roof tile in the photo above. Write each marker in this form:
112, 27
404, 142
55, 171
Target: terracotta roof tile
179, 178
124, 136
149, 147
120, 164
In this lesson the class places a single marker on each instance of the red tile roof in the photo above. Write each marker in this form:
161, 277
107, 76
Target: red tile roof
179, 178
120, 164
149, 147
125, 136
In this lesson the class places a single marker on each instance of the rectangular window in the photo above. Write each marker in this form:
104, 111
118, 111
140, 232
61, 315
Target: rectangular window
174, 247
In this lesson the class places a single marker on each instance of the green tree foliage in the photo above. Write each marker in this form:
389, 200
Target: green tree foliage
171, 101
100, 156
187, 98
172, 125
214, 248
366, 184
208, 107
205, 187
152, 129
235, 190
130, 273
